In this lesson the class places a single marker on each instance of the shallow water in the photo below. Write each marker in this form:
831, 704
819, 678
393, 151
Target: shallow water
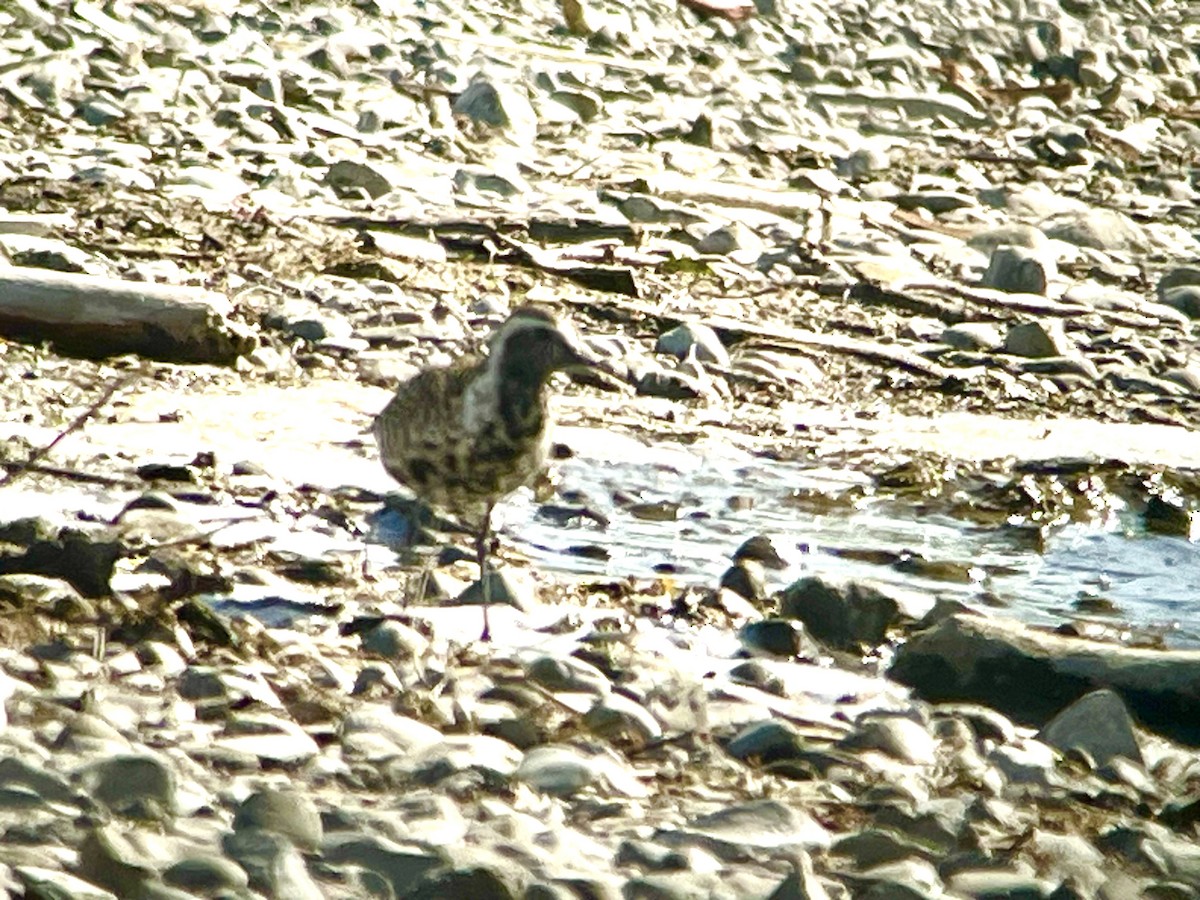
1152, 581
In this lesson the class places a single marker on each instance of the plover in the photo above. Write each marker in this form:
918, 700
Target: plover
465, 435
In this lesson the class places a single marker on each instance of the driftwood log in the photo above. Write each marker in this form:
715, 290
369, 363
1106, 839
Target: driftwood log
81, 315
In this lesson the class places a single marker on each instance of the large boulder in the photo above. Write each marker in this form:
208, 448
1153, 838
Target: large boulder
1031, 675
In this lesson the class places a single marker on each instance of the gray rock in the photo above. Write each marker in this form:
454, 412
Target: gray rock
845, 615
755, 674
730, 240
673, 384
478, 179
802, 883
650, 857
1015, 235
402, 867
491, 756
1187, 378
1019, 270
348, 177
680, 340
972, 336
1097, 723
1185, 299
1063, 365
395, 641
54, 884
1099, 229
1131, 380
1031, 675
47, 253
499, 105
735, 831
615, 716
506, 586
568, 674
746, 578
898, 736
1027, 764
201, 683
1069, 856
50, 786
136, 786
1038, 340
765, 742
780, 638
272, 863
998, 884
477, 881
377, 732
875, 846
864, 163
906, 878
1180, 276
284, 812
563, 771
122, 863
272, 739
206, 876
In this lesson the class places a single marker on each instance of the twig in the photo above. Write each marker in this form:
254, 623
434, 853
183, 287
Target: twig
73, 474
80, 420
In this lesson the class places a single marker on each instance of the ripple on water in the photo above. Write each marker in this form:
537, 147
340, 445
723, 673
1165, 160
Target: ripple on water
1153, 581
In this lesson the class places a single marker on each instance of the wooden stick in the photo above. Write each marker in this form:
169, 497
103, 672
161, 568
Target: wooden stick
115, 385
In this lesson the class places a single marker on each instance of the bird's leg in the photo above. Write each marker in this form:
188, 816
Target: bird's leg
485, 583
422, 585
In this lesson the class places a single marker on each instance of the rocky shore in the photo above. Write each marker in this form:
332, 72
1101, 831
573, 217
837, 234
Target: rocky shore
939, 257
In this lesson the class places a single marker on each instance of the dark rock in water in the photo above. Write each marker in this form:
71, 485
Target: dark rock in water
746, 579
1030, 675
1163, 516
844, 616
760, 549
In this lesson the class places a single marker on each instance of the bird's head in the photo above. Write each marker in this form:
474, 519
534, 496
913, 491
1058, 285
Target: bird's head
532, 344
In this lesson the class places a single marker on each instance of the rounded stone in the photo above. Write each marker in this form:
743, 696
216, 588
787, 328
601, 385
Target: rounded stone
680, 340
207, 875
141, 786
285, 812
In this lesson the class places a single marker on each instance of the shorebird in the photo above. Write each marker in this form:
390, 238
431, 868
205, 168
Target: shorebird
464, 435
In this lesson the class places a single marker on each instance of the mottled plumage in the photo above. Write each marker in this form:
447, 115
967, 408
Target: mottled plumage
463, 436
